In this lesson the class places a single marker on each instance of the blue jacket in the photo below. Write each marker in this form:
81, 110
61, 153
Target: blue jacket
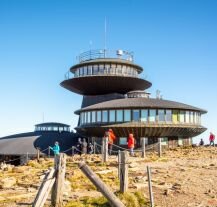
56, 149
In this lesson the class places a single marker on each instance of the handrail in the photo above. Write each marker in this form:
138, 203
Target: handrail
103, 53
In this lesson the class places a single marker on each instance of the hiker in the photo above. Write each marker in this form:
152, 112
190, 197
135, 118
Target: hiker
79, 146
131, 143
201, 142
111, 138
55, 149
90, 148
211, 139
84, 146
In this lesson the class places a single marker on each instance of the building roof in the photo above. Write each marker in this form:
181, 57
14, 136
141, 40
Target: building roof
105, 84
140, 103
52, 124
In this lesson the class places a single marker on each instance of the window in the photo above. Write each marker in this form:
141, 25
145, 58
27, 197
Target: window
77, 73
81, 118
152, 115
88, 117
127, 115
191, 117
168, 116
161, 116
101, 69
123, 141
104, 116
85, 70
187, 116
81, 72
89, 70
98, 116
175, 116
112, 116
113, 68
124, 70
93, 116
107, 69
144, 115
95, 69
136, 115
119, 115
119, 69
182, 116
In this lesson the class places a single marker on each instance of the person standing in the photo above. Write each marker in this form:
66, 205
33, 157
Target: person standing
111, 138
211, 139
84, 146
79, 146
56, 149
201, 142
90, 148
131, 144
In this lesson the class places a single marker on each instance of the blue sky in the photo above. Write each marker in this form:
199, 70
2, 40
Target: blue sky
175, 42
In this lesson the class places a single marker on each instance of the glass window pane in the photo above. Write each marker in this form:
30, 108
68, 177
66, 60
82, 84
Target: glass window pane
187, 116
192, 117
161, 116
119, 115
168, 115
98, 116
93, 116
152, 115
182, 116
88, 117
127, 115
81, 72
112, 116
85, 70
136, 115
119, 69
101, 69
175, 116
123, 141
89, 70
104, 116
95, 69
144, 115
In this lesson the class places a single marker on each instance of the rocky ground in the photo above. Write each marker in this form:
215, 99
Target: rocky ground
181, 177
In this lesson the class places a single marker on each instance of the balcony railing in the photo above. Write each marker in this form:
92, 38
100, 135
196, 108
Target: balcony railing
103, 53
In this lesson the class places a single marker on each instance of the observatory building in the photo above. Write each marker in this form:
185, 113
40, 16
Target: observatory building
114, 96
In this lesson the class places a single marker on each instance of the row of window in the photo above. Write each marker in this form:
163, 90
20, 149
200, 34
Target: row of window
104, 69
143, 115
52, 128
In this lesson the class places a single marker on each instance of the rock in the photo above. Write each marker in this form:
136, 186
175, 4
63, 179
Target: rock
7, 182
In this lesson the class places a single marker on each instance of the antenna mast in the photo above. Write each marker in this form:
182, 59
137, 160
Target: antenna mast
105, 40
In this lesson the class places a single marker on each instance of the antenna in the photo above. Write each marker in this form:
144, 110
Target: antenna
105, 37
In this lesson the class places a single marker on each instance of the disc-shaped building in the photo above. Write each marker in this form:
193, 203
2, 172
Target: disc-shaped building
114, 96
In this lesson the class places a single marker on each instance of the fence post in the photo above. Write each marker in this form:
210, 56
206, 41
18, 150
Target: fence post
49, 151
73, 151
124, 171
113, 200
105, 149
159, 147
143, 147
57, 193
38, 154
94, 147
119, 164
27, 157
150, 187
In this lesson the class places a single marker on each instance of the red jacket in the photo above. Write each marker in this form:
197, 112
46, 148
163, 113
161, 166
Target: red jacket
211, 137
131, 141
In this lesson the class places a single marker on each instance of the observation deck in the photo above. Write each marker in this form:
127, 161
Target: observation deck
101, 72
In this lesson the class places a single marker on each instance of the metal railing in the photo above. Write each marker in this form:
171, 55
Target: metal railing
103, 53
